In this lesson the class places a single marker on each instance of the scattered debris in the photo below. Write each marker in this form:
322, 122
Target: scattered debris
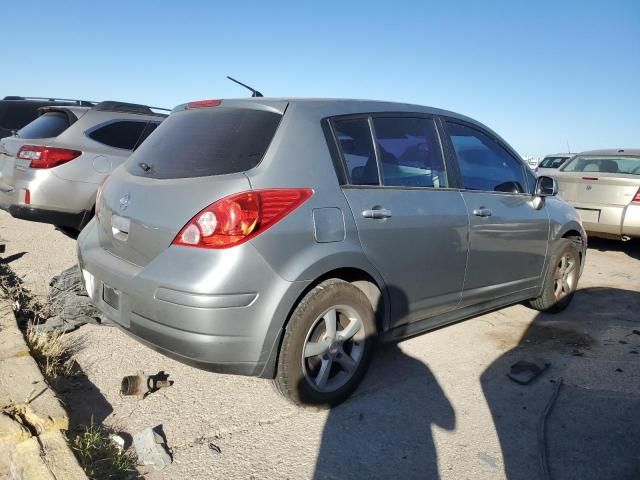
542, 441
151, 448
577, 353
623, 342
525, 371
117, 441
637, 332
214, 448
634, 352
68, 303
619, 370
141, 385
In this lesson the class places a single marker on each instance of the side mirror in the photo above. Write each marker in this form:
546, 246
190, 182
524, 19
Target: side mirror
546, 186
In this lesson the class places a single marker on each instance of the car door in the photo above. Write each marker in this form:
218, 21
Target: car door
412, 227
509, 231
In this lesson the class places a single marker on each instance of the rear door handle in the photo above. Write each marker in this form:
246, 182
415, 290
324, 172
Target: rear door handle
482, 212
377, 213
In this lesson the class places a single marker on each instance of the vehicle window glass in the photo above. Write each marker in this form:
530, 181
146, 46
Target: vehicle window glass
48, 125
148, 130
356, 145
16, 116
121, 134
484, 164
552, 162
206, 141
604, 164
410, 152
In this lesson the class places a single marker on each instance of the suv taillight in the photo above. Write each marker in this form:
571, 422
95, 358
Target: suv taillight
46, 157
235, 219
636, 197
99, 196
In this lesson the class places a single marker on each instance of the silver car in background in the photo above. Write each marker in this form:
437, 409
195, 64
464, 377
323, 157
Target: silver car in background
604, 187
549, 164
51, 168
281, 237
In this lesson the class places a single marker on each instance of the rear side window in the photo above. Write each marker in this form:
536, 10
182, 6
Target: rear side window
552, 162
207, 141
120, 134
410, 152
356, 145
485, 164
48, 125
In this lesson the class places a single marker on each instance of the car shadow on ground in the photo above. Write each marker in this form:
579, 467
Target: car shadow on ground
385, 429
593, 427
631, 247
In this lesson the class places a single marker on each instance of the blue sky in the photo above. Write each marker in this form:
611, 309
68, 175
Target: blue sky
539, 73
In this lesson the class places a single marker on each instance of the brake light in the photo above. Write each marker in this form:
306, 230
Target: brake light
204, 103
235, 219
46, 157
636, 198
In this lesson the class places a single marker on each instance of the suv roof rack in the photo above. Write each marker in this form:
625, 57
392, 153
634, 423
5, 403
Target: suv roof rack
113, 106
82, 103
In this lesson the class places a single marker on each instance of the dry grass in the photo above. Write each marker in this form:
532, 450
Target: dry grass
54, 352
99, 457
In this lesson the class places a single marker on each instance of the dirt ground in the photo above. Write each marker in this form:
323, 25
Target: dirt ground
436, 406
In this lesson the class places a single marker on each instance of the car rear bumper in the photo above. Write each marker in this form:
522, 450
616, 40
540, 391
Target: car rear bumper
617, 221
62, 219
224, 316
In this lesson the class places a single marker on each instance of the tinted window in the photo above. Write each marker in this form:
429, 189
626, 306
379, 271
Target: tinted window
121, 134
206, 141
47, 125
552, 162
484, 164
354, 137
14, 116
410, 152
148, 130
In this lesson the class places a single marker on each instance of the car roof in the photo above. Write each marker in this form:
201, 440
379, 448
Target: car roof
613, 151
559, 155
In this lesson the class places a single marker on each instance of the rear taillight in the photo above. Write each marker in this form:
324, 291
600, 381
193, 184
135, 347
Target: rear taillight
235, 219
204, 104
636, 197
99, 195
46, 157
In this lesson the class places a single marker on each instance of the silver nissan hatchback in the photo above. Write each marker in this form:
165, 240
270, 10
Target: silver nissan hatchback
282, 237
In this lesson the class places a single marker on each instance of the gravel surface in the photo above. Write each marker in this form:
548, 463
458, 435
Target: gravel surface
435, 406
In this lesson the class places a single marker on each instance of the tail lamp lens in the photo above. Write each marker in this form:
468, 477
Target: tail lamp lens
46, 157
636, 197
237, 218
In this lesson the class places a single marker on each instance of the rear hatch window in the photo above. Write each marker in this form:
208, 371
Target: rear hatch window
204, 142
48, 125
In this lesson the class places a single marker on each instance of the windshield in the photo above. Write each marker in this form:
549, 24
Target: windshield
552, 162
605, 164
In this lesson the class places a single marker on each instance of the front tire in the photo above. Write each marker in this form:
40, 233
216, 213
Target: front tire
327, 345
561, 279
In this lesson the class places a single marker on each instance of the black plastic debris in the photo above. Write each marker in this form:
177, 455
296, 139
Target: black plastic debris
214, 448
527, 370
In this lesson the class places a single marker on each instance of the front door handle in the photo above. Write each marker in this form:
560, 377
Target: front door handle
377, 213
482, 212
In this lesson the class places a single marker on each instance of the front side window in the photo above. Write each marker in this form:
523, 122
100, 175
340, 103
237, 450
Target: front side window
121, 134
485, 164
604, 164
410, 153
356, 146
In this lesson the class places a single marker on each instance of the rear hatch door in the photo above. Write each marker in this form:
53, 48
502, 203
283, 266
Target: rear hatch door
194, 158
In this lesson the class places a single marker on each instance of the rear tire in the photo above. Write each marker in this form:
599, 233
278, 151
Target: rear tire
327, 345
561, 279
